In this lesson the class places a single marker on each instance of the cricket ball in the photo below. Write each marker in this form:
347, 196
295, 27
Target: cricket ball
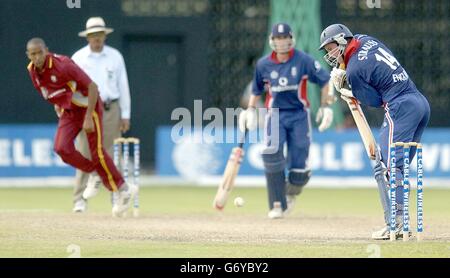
239, 202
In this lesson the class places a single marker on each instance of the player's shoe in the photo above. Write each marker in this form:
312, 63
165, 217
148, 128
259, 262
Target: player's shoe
384, 233
92, 186
124, 200
276, 212
80, 206
290, 201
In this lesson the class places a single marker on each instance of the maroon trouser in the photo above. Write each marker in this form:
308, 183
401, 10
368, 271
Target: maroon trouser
70, 124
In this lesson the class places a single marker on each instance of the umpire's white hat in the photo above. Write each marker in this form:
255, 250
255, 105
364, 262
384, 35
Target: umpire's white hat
93, 25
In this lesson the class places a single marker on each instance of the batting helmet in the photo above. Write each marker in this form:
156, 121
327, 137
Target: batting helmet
339, 34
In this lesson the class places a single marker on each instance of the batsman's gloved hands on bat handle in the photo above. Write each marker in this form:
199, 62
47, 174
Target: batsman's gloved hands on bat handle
248, 119
338, 77
325, 117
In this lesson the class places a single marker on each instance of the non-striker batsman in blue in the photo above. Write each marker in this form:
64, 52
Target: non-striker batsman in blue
283, 75
376, 79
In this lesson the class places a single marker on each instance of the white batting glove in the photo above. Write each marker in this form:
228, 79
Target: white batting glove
325, 113
338, 76
248, 119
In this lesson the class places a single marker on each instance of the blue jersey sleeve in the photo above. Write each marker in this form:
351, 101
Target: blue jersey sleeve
316, 73
258, 82
360, 84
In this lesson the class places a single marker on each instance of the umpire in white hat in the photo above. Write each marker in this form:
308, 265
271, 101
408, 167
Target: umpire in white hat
106, 67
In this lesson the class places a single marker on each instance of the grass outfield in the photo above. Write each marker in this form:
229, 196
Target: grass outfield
180, 222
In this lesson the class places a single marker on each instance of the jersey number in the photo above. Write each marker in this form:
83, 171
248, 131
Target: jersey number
387, 58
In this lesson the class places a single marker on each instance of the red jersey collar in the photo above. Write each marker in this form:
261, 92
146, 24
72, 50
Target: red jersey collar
350, 50
273, 56
48, 63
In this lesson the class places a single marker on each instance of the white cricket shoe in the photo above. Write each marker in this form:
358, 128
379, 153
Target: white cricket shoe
124, 200
276, 212
290, 201
80, 206
92, 186
384, 233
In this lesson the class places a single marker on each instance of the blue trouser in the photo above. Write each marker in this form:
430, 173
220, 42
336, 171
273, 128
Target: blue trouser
405, 121
293, 128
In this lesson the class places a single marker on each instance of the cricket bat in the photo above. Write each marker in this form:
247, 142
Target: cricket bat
229, 175
363, 127
360, 120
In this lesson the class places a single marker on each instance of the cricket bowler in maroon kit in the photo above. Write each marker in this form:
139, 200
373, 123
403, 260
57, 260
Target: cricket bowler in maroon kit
75, 98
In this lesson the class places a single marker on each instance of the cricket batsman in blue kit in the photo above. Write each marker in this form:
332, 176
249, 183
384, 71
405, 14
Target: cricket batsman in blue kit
283, 75
375, 78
